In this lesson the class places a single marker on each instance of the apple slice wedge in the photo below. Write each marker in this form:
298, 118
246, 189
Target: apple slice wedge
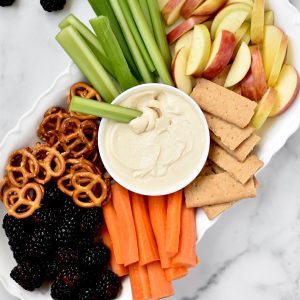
240, 35
269, 17
240, 66
287, 88
221, 52
278, 61
248, 87
248, 2
189, 6
171, 11
221, 77
184, 41
264, 108
209, 7
258, 22
233, 21
184, 27
200, 51
182, 81
258, 72
161, 4
272, 39
223, 13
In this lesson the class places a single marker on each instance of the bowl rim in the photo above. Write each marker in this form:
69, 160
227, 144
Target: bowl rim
196, 168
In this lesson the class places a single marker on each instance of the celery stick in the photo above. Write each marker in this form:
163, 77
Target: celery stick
90, 38
112, 48
145, 9
102, 7
150, 42
137, 56
74, 44
103, 110
159, 30
138, 39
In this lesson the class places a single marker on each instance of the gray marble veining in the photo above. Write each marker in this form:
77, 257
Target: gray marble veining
253, 251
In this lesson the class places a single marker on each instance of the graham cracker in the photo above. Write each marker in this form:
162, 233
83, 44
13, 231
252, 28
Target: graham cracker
223, 103
213, 211
230, 135
217, 189
243, 150
241, 171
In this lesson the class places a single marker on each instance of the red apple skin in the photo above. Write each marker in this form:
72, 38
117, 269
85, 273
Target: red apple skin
222, 57
188, 7
248, 87
169, 7
238, 90
292, 99
184, 27
258, 72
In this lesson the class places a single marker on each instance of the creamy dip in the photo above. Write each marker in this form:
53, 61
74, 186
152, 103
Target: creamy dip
161, 147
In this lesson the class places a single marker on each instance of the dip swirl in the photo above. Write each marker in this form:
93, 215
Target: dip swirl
159, 148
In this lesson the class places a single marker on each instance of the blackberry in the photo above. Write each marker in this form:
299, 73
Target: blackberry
67, 257
53, 5
6, 2
88, 294
84, 242
108, 286
91, 220
61, 291
27, 276
70, 210
18, 251
53, 196
96, 256
45, 216
67, 232
49, 269
39, 244
71, 276
15, 229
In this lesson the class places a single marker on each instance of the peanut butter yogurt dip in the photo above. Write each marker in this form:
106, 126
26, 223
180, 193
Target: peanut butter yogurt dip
161, 147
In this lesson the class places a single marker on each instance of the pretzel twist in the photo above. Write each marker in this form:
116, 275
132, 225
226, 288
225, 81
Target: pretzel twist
22, 203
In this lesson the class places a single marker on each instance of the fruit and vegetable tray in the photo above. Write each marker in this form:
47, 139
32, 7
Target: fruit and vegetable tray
167, 113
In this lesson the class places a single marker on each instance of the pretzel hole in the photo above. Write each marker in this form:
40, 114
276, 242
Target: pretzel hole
16, 161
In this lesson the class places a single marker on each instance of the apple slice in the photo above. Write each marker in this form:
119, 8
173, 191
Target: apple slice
258, 22
240, 36
278, 61
221, 77
240, 66
200, 51
161, 4
233, 21
184, 41
258, 72
183, 82
209, 7
264, 108
248, 87
269, 17
287, 89
184, 27
223, 13
208, 24
189, 6
271, 44
237, 89
171, 11
249, 2
221, 52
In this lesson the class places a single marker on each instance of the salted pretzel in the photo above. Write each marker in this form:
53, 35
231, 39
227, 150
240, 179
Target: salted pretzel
49, 129
80, 138
22, 203
90, 189
51, 163
22, 166
85, 91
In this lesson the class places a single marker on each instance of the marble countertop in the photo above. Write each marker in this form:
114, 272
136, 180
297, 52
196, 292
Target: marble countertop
253, 252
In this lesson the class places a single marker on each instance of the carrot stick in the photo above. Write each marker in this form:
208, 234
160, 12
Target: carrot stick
111, 222
158, 216
176, 273
146, 241
139, 281
159, 285
173, 222
121, 203
120, 270
186, 256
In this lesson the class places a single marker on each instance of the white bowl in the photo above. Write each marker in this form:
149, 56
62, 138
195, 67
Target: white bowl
275, 134
173, 186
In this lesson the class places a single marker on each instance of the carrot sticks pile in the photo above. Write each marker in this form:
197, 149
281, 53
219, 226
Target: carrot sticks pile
152, 239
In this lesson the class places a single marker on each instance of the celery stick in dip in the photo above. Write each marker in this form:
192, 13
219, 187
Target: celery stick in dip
159, 148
